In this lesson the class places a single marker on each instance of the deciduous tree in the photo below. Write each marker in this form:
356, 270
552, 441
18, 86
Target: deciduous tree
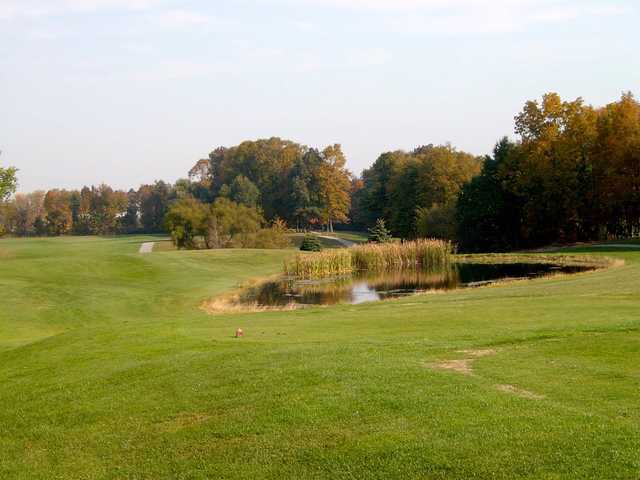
335, 186
8, 182
57, 206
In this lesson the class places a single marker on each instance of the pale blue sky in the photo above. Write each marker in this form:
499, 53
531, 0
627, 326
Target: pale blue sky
128, 91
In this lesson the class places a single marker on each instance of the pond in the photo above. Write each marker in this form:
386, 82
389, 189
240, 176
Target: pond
368, 287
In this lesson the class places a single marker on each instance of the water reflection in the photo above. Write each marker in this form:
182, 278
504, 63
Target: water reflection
374, 287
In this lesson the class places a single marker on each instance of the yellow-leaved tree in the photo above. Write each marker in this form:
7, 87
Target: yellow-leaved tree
335, 186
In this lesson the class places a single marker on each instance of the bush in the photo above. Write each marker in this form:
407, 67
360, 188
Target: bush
311, 243
273, 237
230, 224
225, 224
185, 221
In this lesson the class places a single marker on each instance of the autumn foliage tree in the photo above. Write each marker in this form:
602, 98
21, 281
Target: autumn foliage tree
335, 186
573, 176
29, 213
96, 210
57, 206
304, 186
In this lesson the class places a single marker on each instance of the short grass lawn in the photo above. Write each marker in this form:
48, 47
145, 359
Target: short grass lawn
109, 369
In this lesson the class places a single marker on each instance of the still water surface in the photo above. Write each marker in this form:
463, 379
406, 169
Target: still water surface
374, 287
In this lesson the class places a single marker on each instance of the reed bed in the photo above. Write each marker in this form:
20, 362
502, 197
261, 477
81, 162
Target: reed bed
321, 264
422, 254
432, 255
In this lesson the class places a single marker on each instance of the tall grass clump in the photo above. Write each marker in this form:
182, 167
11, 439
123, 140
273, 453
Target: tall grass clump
320, 264
423, 254
431, 255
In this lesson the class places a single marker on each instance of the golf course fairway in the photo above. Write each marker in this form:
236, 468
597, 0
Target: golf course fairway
110, 369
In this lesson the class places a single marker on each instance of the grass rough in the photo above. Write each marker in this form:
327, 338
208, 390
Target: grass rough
111, 370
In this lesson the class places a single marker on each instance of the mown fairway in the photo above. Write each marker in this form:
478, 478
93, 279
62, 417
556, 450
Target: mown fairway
108, 369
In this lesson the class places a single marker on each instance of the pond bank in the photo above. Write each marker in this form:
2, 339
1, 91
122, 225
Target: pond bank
467, 271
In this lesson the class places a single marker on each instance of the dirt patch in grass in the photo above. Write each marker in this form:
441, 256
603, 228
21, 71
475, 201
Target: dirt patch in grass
183, 420
460, 366
519, 392
463, 365
487, 352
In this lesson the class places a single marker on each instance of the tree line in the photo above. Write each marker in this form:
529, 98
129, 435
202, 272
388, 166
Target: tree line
247, 195
8, 185
95, 210
263, 183
573, 174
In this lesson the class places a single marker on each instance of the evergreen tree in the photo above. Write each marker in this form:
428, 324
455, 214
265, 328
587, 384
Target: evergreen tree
379, 233
311, 243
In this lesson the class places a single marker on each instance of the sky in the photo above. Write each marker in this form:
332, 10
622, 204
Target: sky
129, 91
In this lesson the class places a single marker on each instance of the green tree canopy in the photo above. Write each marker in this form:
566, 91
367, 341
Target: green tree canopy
231, 224
154, 204
244, 191
8, 182
284, 179
185, 220
399, 184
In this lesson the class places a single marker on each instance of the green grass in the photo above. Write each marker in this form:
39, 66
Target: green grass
297, 238
109, 370
353, 236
